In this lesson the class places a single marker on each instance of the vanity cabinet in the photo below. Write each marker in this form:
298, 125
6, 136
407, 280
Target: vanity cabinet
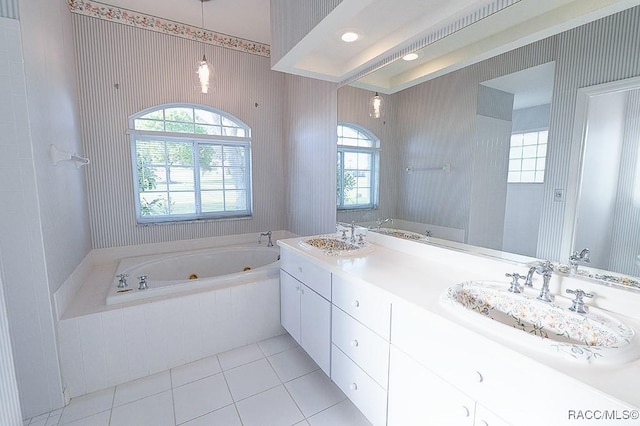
418, 396
304, 310
520, 390
361, 327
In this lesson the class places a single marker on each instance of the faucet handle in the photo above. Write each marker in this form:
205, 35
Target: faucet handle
122, 280
578, 303
515, 285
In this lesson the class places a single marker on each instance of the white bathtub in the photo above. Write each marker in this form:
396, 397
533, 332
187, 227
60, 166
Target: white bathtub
194, 270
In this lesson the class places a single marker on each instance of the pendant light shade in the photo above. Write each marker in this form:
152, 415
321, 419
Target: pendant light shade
204, 74
376, 106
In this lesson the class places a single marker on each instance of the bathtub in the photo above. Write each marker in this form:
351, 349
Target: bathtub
183, 272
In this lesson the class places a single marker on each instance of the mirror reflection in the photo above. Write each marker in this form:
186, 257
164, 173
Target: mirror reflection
482, 155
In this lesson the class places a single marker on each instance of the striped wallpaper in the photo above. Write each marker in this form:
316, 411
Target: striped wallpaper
436, 121
9, 9
122, 70
310, 150
10, 413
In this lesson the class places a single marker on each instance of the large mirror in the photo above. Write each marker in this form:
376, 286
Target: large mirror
495, 155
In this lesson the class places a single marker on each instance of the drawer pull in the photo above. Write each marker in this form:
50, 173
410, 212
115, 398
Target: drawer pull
465, 411
353, 386
480, 378
484, 423
354, 343
299, 268
355, 303
297, 288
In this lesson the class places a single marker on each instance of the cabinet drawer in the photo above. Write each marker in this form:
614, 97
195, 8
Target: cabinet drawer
363, 346
363, 302
361, 389
313, 276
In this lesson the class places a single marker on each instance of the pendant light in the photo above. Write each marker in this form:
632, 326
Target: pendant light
376, 106
203, 71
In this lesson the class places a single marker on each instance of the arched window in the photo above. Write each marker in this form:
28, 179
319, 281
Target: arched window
357, 168
190, 162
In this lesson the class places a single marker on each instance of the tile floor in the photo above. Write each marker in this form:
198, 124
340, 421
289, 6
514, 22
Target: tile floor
273, 382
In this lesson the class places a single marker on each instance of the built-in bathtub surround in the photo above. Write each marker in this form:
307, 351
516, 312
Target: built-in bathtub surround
101, 346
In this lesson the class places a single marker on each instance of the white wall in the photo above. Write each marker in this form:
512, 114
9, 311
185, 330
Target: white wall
25, 245
625, 244
597, 203
524, 200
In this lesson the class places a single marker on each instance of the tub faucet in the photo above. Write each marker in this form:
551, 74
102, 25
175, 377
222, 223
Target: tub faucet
544, 269
380, 222
122, 280
576, 257
266, 234
142, 283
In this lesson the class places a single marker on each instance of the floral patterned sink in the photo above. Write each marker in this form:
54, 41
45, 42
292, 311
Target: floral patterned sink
332, 245
593, 337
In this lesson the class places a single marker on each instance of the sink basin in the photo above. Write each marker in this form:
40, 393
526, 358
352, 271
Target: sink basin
596, 337
335, 246
399, 233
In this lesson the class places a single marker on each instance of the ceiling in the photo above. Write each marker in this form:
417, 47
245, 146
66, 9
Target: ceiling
530, 87
389, 29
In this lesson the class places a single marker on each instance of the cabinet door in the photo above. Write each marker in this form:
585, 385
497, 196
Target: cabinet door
290, 304
417, 396
485, 417
315, 327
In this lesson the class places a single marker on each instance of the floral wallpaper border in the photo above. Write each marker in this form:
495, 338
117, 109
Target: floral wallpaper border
135, 19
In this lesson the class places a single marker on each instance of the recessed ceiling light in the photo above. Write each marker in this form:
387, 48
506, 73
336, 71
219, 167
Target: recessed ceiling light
410, 57
349, 37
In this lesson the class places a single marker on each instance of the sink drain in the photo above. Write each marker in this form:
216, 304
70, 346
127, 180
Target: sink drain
193, 277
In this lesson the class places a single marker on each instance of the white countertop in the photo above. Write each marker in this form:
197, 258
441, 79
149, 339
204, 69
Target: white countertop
419, 273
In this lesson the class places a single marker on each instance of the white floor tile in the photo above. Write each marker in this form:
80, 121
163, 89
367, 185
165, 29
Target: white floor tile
87, 405
100, 419
227, 416
200, 397
342, 414
314, 392
302, 423
251, 379
195, 371
155, 410
240, 356
277, 344
142, 388
292, 363
270, 408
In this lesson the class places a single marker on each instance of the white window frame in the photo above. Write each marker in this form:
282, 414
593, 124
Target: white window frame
374, 150
537, 170
195, 140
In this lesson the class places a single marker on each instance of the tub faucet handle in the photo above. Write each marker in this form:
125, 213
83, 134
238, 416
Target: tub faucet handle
266, 234
122, 280
142, 283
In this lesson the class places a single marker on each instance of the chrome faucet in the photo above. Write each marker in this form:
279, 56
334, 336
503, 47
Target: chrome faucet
122, 280
544, 269
266, 234
380, 222
576, 257
142, 284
